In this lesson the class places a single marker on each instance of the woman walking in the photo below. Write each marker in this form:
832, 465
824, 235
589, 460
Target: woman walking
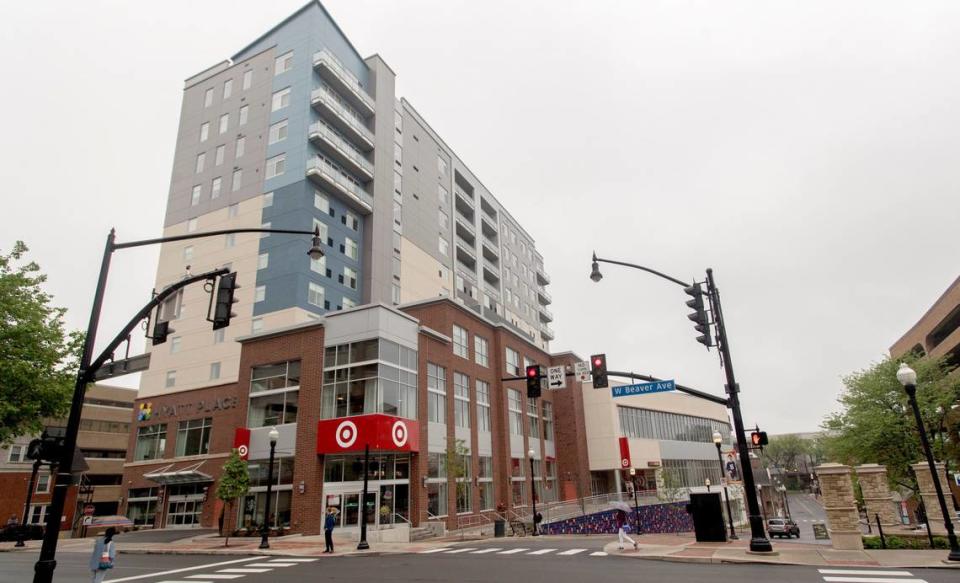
621, 534
104, 552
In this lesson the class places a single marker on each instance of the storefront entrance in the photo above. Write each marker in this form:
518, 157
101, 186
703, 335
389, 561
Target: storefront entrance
388, 489
184, 505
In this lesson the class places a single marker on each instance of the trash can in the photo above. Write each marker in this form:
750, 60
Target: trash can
499, 528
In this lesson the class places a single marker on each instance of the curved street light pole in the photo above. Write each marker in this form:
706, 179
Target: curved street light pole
758, 540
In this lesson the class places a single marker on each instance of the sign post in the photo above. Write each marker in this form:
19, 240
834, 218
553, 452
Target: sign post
582, 370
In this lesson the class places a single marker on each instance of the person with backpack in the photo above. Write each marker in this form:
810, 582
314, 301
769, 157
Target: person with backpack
104, 553
621, 534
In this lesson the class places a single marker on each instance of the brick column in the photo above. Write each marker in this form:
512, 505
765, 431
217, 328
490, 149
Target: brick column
876, 495
841, 506
929, 495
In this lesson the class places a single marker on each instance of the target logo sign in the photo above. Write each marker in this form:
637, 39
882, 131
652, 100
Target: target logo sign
244, 451
399, 434
241, 442
625, 462
625, 453
346, 434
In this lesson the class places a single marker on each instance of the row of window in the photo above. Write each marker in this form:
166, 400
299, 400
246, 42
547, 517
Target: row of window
193, 438
649, 424
247, 82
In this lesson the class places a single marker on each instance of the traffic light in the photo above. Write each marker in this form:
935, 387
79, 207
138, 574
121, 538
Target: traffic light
699, 315
160, 331
222, 309
533, 381
598, 370
759, 438
51, 445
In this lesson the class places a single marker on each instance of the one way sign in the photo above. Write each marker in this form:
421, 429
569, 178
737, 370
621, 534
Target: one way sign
556, 377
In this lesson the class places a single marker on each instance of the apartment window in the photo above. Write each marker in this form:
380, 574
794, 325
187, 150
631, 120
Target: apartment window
513, 362
548, 421
275, 165
443, 219
351, 220
443, 196
283, 63
256, 325
224, 123
444, 246
208, 98
515, 406
398, 155
350, 277
175, 345
483, 406
218, 156
218, 336
260, 293
395, 293
201, 159
267, 199
348, 303
281, 99
533, 415
227, 88
17, 454
485, 482
193, 436
436, 484
151, 442
278, 131
215, 187
204, 131
397, 184
351, 249
436, 393
315, 294
43, 484
320, 202
441, 166
461, 400
233, 210
214, 371
265, 226
480, 350
319, 265
263, 260
171, 379
247, 79
195, 195
244, 113
237, 180
188, 253
241, 146
461, 340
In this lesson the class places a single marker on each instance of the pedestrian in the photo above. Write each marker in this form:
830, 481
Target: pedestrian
12, 521
104, 552
328, 523
621, 534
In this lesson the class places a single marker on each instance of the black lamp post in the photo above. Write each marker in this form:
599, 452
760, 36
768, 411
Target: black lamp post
636, 497
363, 544
86, 373
533, 492
26, 506
759, 543
908, 378
265, 533
717, 440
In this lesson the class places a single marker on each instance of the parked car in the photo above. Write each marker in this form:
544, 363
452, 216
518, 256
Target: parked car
782, 527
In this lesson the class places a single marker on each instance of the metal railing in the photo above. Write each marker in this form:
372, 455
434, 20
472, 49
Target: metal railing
328, 97
345, 76
332, 172
343, 146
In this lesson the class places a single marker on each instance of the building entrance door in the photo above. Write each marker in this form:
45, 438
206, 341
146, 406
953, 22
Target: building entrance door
184, 506
350, 512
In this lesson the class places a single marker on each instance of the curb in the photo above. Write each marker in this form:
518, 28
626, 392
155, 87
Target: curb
736, 561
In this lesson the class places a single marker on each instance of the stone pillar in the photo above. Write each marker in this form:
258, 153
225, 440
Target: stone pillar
929, 495
841, 507
876, 495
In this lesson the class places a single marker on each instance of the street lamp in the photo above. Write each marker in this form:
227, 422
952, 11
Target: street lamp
717, 440
274, 435
533, 492
908, 378
759, 543
706, 482
636, 497
783, 496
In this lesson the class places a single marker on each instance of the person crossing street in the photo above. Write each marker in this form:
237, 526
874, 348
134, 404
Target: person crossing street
621, 533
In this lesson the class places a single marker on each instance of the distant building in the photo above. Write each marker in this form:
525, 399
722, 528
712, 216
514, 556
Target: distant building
937, 332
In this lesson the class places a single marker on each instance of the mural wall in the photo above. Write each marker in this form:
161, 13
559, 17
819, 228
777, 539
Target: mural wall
656, 518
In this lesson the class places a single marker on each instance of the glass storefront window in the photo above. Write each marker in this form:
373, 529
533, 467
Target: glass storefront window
254, 504
259, 469
436, 498
274, 409
151, 442
193, 436
275, 376
371, 376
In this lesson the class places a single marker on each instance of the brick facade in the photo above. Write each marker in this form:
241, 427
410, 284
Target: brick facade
14, 486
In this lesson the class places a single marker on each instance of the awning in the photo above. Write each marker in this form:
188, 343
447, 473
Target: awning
187, 475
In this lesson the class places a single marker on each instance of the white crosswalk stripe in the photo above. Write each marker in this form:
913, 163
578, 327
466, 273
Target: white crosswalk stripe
455, 551
245, 571
542, 552
271, 564
598, 554
292, 560
571, 552
526, 552
485, 551
215, 576
871, 580
865, 572
513, 551
440, 550
867, 576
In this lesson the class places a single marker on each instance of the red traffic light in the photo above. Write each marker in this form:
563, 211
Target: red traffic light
597, 361
533, 371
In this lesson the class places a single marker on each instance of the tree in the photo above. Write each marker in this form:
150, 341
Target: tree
786, 452
458, 460
670, 485
38, 358
876, 424
234, 484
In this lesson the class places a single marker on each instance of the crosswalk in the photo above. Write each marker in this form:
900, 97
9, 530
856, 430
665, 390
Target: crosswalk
511, 551
866, 575
238, 572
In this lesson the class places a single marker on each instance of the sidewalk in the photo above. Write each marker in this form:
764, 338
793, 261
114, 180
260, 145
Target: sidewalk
683, 548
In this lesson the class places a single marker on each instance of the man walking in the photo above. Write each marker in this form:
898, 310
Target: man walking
328, 523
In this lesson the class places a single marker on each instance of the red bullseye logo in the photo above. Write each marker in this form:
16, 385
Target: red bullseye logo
399, 434
346, 434
624, 462
243, 451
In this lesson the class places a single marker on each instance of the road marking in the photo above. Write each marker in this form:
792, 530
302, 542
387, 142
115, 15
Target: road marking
271, 564
292, 560
571, 552
870, 580
185, 569
542, 552
455, 551
213, 576
244, 571
864, 572
598, 554
485, 551
512, 551
193, 581
440, 550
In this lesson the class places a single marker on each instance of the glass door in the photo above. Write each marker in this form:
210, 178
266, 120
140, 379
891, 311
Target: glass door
351, 509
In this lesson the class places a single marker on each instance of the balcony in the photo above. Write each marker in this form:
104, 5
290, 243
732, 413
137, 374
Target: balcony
332, 177
488, 209
324, 137
329, 104
545, 315
547, 332
334, 73
465, 256
543, 297
465, 230
464, 203
490, 250
488, 226
491, 274
542, 277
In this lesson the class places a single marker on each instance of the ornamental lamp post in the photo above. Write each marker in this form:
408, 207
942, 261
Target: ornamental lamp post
274, 435
533, 492
908, 378
706, 482
717, 441
636, 497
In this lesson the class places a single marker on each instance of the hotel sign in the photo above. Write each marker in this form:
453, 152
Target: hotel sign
147, 411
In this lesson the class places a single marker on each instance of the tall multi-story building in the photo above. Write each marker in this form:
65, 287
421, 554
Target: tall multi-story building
298, 130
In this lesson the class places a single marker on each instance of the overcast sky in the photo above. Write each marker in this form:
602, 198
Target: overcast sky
807, 151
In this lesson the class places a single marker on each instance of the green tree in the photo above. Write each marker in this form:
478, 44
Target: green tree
234, 484
38, 357
458, 458
787, 452
670, 485
876, 424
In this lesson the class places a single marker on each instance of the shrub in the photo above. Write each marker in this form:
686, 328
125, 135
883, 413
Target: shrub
906, 543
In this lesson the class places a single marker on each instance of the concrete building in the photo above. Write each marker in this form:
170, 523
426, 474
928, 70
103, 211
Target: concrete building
299, 130
102, 440
937, 333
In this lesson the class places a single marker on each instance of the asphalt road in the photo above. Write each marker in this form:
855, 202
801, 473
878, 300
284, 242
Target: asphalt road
547, 560
805, 510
